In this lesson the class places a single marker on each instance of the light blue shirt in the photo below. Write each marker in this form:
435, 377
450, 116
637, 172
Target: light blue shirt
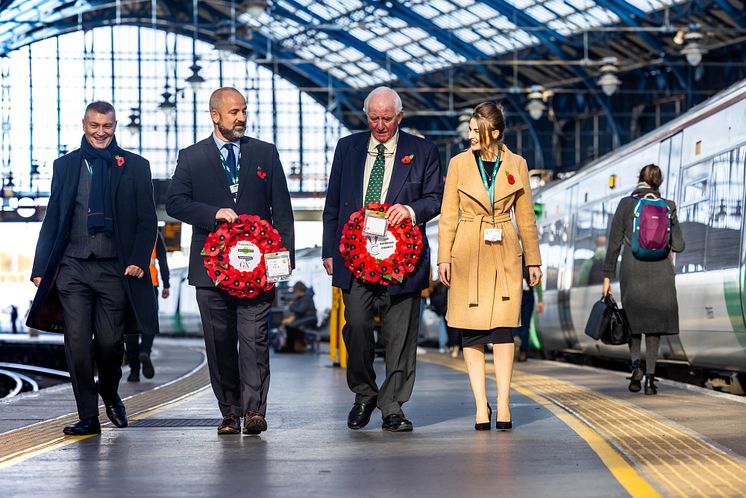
224, 151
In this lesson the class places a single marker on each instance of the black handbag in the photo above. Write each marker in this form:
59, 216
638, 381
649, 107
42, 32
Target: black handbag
608, 323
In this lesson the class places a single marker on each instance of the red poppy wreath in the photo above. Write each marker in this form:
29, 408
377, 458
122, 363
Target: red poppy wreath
380, 260
233, 255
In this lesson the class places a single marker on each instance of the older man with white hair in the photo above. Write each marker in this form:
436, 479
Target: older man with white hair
387, 165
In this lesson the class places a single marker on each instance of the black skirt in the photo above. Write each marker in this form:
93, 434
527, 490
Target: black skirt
499, 335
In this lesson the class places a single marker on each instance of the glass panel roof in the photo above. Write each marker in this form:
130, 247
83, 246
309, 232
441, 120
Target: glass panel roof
365, 43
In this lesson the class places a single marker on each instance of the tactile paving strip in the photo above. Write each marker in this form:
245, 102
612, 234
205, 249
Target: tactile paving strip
19, 442
673, 460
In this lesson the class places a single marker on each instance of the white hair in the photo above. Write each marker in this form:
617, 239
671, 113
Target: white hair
380, 90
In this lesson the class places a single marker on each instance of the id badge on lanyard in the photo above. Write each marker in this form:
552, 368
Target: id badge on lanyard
491, 234
233, 179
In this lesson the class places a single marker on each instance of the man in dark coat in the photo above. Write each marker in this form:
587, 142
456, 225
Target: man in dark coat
215, 180
371, 166
93, 251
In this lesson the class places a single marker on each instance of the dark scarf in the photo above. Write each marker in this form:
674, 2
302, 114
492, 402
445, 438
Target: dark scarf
100, 211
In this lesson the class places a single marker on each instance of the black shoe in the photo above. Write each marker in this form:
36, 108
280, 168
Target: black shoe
634, 380
485, 426
396, 423
116, 413
134, 376
650, 387
147, 366
360, 414
84, 427
503, 426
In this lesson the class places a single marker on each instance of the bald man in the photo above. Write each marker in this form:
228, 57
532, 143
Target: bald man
215, 181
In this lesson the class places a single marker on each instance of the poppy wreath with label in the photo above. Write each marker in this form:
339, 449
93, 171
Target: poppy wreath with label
366, 267
216, 254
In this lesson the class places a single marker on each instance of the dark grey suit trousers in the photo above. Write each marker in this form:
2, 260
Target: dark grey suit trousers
94, 303
239, 375
400, 321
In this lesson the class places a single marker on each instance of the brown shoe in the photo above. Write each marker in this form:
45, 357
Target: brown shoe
231, 424
254, 423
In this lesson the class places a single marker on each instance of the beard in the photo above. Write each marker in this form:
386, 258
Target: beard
232, 134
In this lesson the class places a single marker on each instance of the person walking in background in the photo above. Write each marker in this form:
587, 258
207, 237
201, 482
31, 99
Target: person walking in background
13, 318
368, 167
648, 287
302, 315
532, 298
140, 346
217, 179
479, 254
91, 257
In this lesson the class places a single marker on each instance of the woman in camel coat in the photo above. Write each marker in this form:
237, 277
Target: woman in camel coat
479, 256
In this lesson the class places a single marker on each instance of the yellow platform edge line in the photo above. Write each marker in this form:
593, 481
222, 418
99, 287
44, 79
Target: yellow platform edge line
622, 471
62, 441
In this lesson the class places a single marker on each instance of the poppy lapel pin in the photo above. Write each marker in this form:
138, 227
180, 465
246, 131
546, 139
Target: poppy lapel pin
261, 173
407, 159
511, 178
119, 160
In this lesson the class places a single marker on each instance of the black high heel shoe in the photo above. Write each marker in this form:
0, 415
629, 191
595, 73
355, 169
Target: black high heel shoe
485, 426
503, 426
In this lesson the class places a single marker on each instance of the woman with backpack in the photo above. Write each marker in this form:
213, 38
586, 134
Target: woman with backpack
646, 230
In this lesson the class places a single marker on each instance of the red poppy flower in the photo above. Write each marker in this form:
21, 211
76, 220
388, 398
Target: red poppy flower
407, 159
119, 160
511, 179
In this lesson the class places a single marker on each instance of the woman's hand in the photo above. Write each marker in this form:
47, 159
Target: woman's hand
444, 273
607, 287
534, 275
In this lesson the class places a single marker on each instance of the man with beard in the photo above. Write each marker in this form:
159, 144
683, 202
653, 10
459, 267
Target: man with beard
93, 251
215, 180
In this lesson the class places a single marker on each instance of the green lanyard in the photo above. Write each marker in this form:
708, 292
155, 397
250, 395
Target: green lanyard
224, 162
489, 187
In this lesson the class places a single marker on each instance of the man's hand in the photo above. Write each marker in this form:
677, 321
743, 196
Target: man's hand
36, 281
444, 272
534, 274
397, 213
133, 271
328, 266
165, 293
540, 307
226, 214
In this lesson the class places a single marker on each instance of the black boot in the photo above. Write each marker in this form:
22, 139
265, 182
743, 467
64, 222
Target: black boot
634, 380
650, 385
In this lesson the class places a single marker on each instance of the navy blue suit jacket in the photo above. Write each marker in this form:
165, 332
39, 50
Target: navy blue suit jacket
135, 229
418, 184
199, 188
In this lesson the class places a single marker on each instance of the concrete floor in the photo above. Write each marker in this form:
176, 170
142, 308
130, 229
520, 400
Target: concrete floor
308, 450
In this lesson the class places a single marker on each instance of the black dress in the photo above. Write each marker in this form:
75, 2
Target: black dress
499, 335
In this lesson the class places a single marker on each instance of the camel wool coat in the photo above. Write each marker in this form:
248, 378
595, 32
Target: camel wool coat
486, 287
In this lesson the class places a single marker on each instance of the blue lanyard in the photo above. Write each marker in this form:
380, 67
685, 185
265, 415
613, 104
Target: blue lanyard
224, 162
491, 187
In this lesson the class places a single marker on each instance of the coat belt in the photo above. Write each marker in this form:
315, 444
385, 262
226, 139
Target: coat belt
474, 236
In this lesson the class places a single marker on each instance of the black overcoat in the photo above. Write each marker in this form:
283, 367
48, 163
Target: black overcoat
135, 229
199, 188
648, 287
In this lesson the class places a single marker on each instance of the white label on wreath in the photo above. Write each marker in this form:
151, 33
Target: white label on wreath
244, 256
381, 247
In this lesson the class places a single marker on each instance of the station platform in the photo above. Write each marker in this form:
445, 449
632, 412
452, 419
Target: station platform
577, 432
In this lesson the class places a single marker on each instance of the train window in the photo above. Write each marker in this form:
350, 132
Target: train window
552, 239
591, 227
724, 224
693, 214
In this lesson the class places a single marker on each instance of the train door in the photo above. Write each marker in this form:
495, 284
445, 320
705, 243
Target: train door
739, 181
569, 332
669, 160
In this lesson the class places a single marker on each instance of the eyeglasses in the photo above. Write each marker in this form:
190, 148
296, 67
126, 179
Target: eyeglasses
374, 153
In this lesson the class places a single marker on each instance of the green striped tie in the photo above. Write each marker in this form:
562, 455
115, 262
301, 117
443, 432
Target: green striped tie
375, 183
